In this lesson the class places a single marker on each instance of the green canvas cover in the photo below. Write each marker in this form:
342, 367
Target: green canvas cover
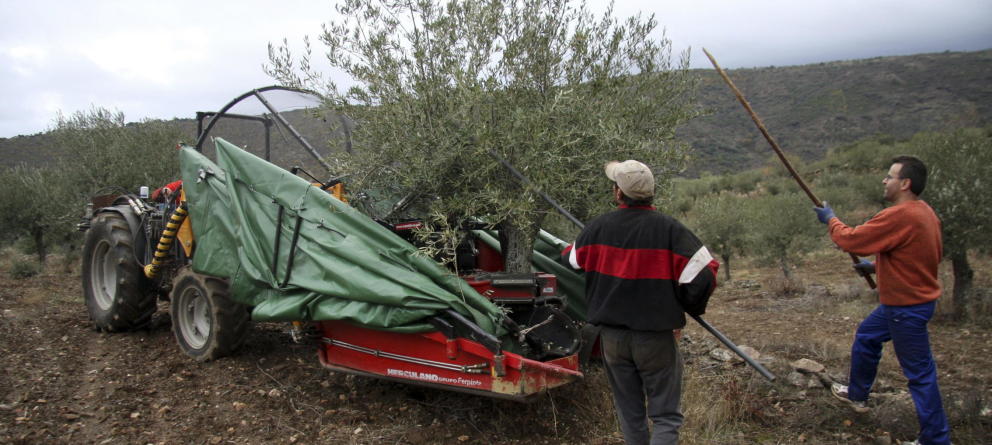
345, 266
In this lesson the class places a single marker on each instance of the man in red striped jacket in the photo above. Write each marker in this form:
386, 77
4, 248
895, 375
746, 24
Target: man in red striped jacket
644, 270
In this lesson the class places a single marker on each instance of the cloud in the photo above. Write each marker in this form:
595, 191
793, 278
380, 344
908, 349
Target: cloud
25, 60
171, 59
153, 55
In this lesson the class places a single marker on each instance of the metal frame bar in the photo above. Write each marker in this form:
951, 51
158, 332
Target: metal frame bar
201, 137
468, 369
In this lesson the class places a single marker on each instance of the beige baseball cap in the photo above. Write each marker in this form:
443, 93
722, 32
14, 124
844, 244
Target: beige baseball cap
634, 178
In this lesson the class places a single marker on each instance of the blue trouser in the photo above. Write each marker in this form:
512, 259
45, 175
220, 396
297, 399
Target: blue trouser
641, 366
906, 326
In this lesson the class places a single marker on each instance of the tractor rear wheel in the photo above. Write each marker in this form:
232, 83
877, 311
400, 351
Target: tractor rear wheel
118, 296
207, 324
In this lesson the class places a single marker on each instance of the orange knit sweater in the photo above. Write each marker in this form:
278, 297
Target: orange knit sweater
906, 241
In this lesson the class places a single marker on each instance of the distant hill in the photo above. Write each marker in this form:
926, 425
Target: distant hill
323, 132
807, 108
811, 108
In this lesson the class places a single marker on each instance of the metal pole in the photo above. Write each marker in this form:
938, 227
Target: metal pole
526, 181
292, 130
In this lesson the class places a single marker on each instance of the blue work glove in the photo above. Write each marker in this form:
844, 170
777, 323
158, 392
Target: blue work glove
824, 213
865, 267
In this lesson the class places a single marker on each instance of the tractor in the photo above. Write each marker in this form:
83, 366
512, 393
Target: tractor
242, 240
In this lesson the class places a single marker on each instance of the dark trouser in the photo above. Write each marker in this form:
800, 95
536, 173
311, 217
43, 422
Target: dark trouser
906, 326
645, 365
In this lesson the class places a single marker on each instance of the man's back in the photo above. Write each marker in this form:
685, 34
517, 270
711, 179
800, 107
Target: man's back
633, 258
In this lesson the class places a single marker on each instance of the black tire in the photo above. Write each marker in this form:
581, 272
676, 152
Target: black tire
207, 324
118, 296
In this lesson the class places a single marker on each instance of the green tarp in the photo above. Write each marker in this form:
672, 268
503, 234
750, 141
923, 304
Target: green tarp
345, 266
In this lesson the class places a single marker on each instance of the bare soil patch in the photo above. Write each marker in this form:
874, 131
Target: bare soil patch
63, 382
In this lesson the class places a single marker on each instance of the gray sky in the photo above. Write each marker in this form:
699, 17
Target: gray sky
166, 59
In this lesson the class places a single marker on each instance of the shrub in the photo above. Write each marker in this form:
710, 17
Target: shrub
785, 287
24, 268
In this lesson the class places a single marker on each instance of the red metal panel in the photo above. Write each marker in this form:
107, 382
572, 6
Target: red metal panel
427, 358
488, 259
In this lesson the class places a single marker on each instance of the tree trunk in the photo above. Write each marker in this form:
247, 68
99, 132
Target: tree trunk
963, 275
785, 268
726, 267
38, 234
518, 246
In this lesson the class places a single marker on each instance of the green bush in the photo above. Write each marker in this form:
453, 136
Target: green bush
26, 245
24, 268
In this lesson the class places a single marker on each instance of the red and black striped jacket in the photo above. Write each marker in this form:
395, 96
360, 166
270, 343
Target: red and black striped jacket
643, 268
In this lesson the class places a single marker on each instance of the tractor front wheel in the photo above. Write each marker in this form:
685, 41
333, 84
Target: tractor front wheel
118, 296
207, 324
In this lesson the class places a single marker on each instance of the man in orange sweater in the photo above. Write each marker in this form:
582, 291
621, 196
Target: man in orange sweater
905, 238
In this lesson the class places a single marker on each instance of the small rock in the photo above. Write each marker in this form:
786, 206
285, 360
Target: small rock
808, 366
848, 422
357, 430
884, 439
275, 393
164, 410
796, 379
463, 438
722, 355
215, 440
238, 406
135, 415
802, 437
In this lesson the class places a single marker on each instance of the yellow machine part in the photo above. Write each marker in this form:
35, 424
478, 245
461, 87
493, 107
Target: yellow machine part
336, 190
185, 234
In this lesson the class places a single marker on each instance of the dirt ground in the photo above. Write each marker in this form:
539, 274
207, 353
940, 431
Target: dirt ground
63, 382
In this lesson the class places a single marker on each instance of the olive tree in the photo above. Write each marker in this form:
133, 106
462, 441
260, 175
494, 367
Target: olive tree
960, 167
102, 154
781, 227
718, 221
555, 90
103, 151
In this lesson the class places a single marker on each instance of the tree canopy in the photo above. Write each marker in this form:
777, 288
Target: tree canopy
545, 84
959, 164
103, 155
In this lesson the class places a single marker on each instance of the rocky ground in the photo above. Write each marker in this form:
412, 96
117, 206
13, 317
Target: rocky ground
63, 382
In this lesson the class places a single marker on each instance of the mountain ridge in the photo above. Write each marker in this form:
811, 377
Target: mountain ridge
807, 108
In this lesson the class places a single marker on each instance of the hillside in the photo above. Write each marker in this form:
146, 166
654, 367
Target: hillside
810, 108
807, 108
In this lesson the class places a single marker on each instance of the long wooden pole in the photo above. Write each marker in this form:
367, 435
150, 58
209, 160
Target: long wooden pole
778, 150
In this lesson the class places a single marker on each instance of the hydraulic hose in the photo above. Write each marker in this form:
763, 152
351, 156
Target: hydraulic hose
165, 242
